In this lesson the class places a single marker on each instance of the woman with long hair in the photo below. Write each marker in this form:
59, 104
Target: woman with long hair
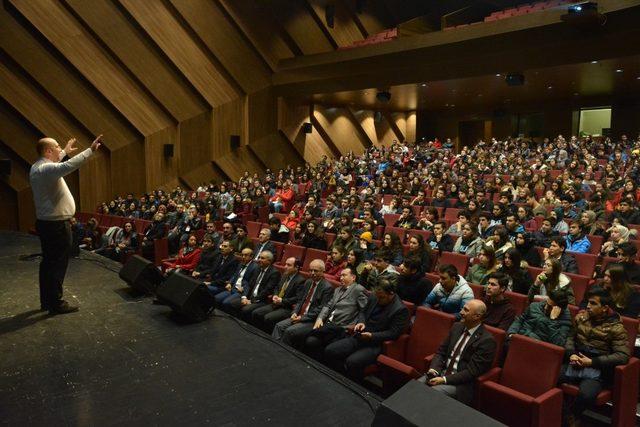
551, 278
626, 299
313, 237
391, 244
519, 279
187, 259
355, 261
500, 241
469, 243
529, 255
487, 264
420, 250
345, 240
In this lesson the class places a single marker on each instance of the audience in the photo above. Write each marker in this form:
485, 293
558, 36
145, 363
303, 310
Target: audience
451, 293
551, 278
500, 313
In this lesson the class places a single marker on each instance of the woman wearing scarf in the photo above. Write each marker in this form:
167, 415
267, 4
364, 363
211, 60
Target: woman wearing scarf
530, 256
617, 234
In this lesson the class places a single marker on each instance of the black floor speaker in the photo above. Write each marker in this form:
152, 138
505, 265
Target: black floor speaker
141, 275
417, 404
187, 297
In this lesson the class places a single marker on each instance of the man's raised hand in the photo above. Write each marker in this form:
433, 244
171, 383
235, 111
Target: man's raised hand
96, 143
69, 148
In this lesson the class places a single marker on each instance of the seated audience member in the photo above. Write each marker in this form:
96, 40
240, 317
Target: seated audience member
469, 243
282, 199
439, 240
210, 231
421, 251
551, 278
242, 240
407, 220
184, 228
262, 284
314, 295
336, 261
330, 212
392, 245
412, 285
285, 296
264, 244
208, 260
92, 236
486, 265
440, 199
356, 262
576, 240
626, 300
451, 293
626, 253
224, 266
428, 218
556, 250
618, 234
125, 241
519, 279
513, 226
466, 353
238, 282
561, 226
386, 320
345, 239
292, 219
314, 237
530, 257
500, 312
187, 259
590, 224
597, 345
500, 241
543, 236
346, 308
485, 228
228, 232
279, 232
380, 268
456, 227
626, 213
548, 321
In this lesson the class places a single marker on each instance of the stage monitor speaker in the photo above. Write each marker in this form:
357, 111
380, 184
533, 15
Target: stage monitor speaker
5, 167
168, 150
417, 404
187, 297
234, 140
141, 274
307, 127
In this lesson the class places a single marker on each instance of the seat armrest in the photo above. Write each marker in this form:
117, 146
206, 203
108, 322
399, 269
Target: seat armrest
399, 367
396, 349
492, 374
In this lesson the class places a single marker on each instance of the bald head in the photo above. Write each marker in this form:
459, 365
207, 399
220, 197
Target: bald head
472, 313
49, 148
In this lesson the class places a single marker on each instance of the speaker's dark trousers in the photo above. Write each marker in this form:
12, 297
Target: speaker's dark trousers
55, 240
351, 355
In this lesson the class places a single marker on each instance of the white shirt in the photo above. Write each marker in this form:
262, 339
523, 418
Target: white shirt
51, 196
455, 362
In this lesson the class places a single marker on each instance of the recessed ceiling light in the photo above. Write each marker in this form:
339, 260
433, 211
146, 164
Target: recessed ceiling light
446, 105
576, 94
498, 75
619, 70
549, 87
424, 85
594, 62
480, 95
638, 78
453, 105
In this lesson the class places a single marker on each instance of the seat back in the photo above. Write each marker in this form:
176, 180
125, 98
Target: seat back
526, 353
461, 261
426, 234
586, 263
596, 244
631, 325
478, 290
253, 228
518, 301
293, 251
311, 255
451, 214
390, 219
580, 285
398, 231
498, 336
329, 238
430, 329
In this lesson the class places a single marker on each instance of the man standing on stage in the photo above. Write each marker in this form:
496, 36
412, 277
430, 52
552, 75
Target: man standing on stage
54, 207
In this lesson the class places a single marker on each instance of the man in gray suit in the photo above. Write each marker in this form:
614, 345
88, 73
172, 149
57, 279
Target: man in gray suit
317, 292
347, 308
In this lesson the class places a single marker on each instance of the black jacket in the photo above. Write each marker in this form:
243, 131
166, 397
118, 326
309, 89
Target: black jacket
155, 230
223, 269
208, 261
476, 359
387, 322
321, 296
413, 288
445, 244
269, 282
292, 293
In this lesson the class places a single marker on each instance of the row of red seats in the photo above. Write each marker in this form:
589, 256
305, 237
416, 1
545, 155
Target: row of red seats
524, 391
526, 9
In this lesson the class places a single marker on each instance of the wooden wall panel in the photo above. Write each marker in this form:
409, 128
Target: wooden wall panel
338, 125
344, 31
128, 169
236, 162
370, 18
204, 173
301, 26
262, 115
410, 133
77, 45
276, 151
228, 119
141, 56
68, 87
384, 133
19, 178
254, 19
161, 172
398, 122
195, 142
366, 120
207, 77
17, 135
94, 182
226, 43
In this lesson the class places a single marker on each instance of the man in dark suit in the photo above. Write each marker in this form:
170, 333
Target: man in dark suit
386, 320
260, 287
264, 244
346, 309
238, 282
316, 292
209, 258
465, 354
285, 296
222, 268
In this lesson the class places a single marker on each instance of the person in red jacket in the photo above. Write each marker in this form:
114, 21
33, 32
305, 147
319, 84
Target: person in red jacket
283, 199
187, 259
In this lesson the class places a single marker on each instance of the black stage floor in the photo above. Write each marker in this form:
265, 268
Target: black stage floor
121, 360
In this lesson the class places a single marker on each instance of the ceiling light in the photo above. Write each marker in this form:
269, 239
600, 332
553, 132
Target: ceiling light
498, 75
619, 70
424, 85
576, 94
549, 87
594, 62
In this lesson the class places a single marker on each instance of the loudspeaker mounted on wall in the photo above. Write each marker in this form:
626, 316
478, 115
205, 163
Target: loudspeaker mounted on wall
168, 150
5, 167
307, 127
234, 140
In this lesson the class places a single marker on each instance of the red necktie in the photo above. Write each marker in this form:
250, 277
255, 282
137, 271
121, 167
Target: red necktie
307, 300
452, 360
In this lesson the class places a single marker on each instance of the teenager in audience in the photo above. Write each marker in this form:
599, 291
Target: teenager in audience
412, 285
356, 262
500, 241
551, 278
487, 264
500, 313
420, 250
451, 293
392, 246
345, 239
469, 243
576, 240
314, 237
187, 258
626, 300
336, 261
618, 234
557, 251
439, 240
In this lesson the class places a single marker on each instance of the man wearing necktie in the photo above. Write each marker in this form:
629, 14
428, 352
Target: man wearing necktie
315, 293
264, 244
236, 285
285, 296
259, 289
465, 354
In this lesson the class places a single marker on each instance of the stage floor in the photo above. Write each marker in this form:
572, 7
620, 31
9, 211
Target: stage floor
121, 360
